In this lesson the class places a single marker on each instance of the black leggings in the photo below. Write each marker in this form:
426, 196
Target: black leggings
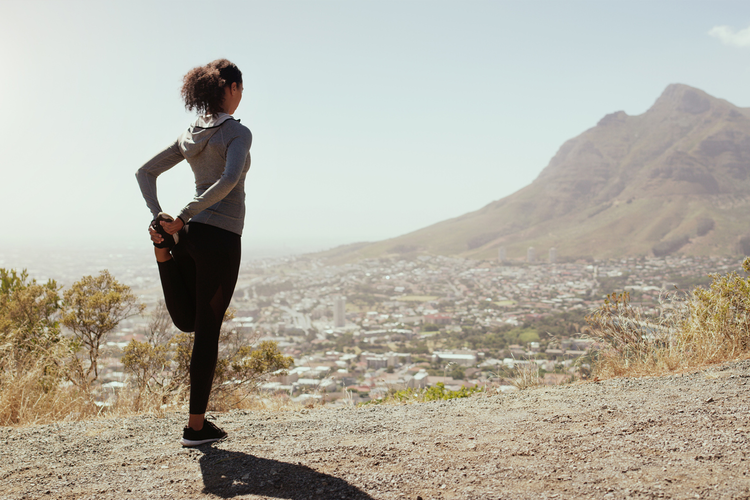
198, 283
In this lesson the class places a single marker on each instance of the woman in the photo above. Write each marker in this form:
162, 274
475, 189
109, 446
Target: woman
198, 253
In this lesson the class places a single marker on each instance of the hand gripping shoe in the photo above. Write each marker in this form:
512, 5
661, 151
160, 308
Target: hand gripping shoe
170, 240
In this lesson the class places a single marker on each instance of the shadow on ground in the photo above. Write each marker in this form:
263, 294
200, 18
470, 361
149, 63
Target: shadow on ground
231, 473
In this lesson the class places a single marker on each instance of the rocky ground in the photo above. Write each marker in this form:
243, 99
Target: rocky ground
683, 436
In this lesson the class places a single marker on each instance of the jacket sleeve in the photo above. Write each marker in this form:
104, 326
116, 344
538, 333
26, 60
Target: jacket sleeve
153, 168
237, 152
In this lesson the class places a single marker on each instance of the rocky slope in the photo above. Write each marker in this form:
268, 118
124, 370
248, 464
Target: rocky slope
683, 436
672, 179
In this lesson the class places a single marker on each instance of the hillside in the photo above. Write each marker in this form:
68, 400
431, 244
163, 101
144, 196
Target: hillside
682, 436
674, 179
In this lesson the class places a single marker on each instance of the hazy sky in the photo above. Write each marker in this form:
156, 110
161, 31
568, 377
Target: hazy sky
370, 119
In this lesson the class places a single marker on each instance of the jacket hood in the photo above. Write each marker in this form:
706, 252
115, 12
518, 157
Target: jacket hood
196, 137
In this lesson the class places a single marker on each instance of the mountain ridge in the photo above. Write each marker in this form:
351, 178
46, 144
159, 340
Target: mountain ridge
672, 179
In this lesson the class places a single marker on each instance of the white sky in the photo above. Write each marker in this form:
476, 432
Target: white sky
370, 119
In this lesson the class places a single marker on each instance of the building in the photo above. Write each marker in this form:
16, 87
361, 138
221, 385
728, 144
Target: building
501, 254
418, 381
339, 312
438, 318
463, 359
517, 351
553, 255
376, 362
396, 359
530, 254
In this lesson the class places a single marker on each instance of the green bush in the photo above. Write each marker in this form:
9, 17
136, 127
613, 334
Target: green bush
436, 392
720, 316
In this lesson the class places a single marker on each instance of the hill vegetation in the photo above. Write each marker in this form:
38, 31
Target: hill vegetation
51, 345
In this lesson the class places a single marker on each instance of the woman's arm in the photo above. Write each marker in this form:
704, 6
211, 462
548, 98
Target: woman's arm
156, 166
237, 152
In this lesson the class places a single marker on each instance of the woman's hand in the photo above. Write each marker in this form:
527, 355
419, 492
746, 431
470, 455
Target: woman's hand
172, 227
155, 237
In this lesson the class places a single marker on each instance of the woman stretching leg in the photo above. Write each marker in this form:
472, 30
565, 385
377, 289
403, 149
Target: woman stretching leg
198, 253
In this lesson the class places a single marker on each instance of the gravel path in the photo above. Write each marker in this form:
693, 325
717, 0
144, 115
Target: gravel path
673, 437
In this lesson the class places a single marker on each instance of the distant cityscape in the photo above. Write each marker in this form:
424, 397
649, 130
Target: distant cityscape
357, 331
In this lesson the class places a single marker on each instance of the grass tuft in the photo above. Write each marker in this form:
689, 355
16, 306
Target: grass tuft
526, 375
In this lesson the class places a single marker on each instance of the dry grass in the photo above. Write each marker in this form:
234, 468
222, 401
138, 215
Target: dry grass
33, 391
130, 403
691, 331
25, 401
526, 375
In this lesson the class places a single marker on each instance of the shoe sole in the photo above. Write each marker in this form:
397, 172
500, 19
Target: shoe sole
190, 443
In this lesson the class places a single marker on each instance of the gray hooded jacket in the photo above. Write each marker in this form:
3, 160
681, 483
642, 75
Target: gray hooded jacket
217, 148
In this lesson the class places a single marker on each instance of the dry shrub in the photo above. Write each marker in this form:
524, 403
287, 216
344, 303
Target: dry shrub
630, 342
705, 327
159, 369
718, 328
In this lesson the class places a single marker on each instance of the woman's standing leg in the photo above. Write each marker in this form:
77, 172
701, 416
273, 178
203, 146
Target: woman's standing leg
216, 253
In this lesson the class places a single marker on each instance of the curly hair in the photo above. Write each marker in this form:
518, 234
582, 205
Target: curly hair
203, 87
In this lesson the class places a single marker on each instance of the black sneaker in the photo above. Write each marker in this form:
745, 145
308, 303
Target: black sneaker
170, 240
208, 434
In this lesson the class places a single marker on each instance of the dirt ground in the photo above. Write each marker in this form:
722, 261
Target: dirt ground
683, 436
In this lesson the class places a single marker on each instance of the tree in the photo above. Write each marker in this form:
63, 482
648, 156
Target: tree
93, 307
27, 313
29, 330
249, 364
32, 351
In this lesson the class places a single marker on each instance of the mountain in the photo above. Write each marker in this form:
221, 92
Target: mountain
675, 179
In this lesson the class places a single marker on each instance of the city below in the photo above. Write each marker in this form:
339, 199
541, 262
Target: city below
357, 331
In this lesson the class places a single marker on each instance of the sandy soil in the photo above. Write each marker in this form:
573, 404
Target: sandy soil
682, 436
